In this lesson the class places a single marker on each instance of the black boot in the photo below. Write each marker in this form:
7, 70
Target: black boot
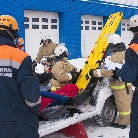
79, 99
116, 125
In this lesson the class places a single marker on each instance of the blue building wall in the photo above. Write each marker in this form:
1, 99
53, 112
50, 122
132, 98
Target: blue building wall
70, 12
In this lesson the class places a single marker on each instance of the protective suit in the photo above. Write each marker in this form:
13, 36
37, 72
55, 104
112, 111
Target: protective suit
122, 90
60, 71
46, 50
63, 72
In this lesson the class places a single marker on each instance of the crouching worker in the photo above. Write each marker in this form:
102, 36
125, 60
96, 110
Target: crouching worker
122, 91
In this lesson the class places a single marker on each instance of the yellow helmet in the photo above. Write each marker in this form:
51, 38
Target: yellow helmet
7, 21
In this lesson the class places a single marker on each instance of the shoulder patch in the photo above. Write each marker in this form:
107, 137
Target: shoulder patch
134, 47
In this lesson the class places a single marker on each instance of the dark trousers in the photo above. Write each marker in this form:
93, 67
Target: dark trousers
17, 130
134, 116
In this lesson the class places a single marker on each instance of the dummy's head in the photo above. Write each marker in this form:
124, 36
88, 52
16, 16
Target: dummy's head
8, 27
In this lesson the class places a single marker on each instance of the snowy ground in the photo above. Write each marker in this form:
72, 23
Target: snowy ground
95, 131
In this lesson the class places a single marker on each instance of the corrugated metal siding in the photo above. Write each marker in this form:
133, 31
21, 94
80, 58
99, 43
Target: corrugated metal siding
69, 16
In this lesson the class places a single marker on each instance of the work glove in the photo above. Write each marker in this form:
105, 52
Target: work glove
116, 73
75, 76
102, 73
34, 64
90, 74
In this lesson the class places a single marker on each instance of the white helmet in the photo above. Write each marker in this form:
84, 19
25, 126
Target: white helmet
45, 36
114, 39
59, 50
133, 22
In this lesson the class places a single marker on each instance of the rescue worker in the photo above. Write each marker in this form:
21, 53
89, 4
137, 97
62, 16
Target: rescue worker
129, 73
19, 89
46, 50
122, 90
63, 72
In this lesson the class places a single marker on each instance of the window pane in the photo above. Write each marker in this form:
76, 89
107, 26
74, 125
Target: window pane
123, 24
99, 28
123, 29
81, 27
26, 26
45, 20
93, 28
128, 29
53, 20
86, 22
127, 25
99, 23
93, 22
35, 19
86, 27
35, 26
44, 26
26, 19
81, 22
53, 26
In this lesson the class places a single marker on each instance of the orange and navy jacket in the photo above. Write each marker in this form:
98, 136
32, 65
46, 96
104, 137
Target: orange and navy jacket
129, 71
19, 88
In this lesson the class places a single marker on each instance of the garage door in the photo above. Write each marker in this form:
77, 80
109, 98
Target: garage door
36, 23
125, 33
91, 27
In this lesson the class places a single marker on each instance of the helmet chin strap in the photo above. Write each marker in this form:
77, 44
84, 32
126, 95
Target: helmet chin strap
10, 34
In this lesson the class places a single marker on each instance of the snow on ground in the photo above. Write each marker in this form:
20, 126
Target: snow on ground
95, 131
